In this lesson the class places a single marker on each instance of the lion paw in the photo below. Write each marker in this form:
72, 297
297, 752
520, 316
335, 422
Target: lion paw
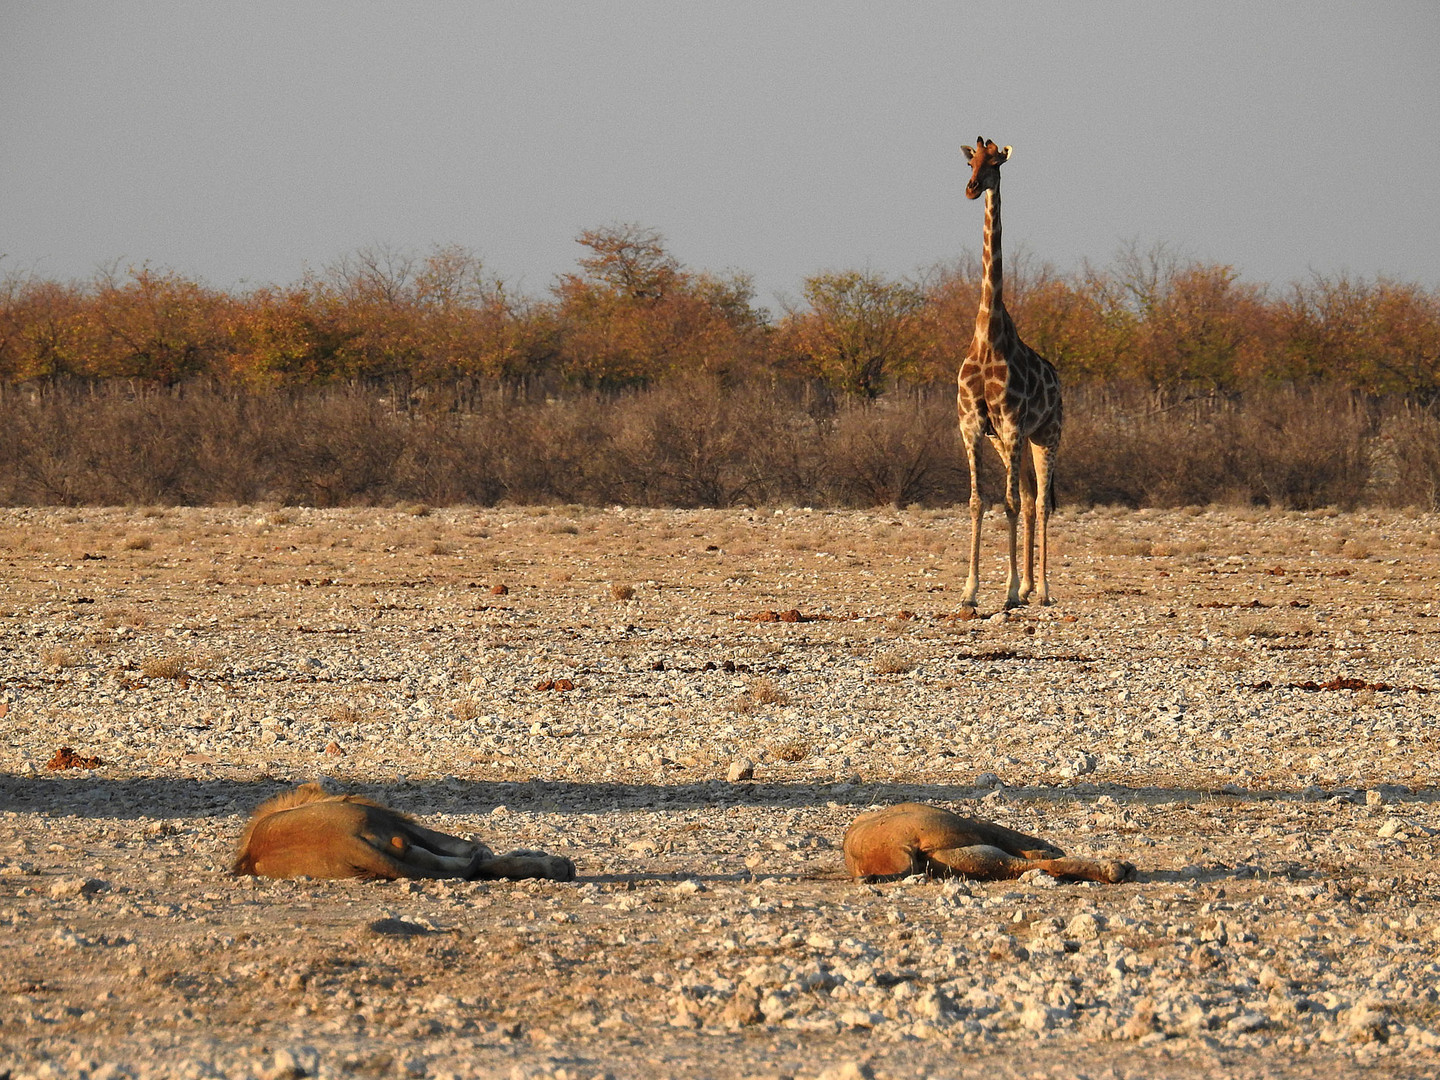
551, 867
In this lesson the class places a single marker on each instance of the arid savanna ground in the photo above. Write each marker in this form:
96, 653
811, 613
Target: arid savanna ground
1240, 702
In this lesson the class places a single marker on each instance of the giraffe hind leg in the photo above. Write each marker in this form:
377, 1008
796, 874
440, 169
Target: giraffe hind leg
1044, 502
1027, 520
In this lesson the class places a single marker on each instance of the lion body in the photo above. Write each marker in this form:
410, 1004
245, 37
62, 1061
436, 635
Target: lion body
308, 832
913, 838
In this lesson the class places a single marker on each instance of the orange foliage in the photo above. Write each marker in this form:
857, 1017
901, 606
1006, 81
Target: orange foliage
859, 333
633, 315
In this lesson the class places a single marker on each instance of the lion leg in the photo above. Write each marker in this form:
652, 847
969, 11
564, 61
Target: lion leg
1108, 871
1010, 841
394, 856
525, 864
438, 842
981, 861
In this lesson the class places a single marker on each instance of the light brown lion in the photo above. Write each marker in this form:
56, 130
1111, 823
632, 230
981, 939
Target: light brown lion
913, 838
309, 833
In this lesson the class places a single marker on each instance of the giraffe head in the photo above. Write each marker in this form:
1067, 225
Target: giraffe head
985, 158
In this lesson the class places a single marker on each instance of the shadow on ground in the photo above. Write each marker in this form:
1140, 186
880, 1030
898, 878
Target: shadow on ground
91, 795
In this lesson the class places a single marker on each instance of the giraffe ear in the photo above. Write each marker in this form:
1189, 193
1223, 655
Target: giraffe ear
969, 152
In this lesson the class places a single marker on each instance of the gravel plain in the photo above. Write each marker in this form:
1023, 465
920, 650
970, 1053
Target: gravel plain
692, 705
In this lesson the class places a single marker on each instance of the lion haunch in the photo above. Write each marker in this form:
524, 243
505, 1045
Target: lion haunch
913, 838
309, 833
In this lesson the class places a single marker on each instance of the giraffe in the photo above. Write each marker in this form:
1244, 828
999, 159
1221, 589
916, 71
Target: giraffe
1010, 395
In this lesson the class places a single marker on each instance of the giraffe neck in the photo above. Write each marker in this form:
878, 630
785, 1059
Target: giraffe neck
990, 318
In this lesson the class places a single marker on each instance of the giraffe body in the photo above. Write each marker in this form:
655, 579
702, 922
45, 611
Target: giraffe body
1009, 394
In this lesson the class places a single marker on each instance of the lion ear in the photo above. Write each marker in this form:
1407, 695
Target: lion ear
969, 152
1005, 154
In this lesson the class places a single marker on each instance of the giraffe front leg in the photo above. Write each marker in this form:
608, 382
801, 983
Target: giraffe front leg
1012, 515
977, 511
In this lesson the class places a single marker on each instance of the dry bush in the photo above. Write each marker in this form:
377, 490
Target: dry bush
791, 750
1355, 549
766, 691
622, 592
689, 442
57, 657
343, 712
901, 449
465, 710
1405, 460
760, 692
139, 543
1132, 547
895, 662
1176, 548
163, 667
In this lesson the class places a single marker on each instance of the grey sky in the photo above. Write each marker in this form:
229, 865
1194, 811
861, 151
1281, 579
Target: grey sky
242, 142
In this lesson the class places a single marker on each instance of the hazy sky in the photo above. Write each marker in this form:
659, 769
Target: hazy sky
243, 142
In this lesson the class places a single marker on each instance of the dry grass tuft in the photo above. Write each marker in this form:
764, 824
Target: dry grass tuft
1172, 549
761, 691
622, 592
895, 662
163, 667
57, 657
1132, 547
465, 710
122, 617
791, 750
343, 712
139, 543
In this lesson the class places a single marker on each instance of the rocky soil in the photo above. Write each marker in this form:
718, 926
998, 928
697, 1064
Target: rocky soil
692, 705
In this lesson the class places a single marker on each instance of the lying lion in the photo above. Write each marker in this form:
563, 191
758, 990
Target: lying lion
309, 833
913, 838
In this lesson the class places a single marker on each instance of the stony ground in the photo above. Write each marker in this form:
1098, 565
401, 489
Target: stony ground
1239, 702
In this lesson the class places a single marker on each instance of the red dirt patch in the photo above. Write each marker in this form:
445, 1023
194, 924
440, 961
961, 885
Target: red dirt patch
792, 615
67, 758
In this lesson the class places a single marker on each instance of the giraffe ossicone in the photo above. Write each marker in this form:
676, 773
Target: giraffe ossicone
1010, 395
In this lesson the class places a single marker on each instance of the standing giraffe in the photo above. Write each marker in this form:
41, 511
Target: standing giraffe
1010, 394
